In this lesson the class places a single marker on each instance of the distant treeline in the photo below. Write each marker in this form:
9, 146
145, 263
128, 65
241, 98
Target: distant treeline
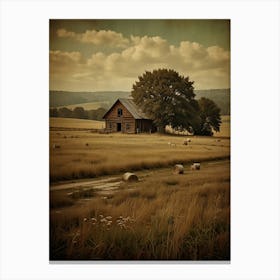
78, 113
107, 98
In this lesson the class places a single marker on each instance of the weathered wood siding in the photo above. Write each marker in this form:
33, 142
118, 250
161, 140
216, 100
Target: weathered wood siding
125, 123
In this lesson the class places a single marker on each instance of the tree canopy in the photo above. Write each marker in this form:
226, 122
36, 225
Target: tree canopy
210, 118
168, 99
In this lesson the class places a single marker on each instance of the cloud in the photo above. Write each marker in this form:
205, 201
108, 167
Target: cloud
208, 66
102, 37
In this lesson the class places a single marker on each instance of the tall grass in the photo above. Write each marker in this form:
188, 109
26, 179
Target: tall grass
163, 217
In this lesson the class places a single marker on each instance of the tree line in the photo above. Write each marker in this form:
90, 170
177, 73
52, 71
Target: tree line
78, 113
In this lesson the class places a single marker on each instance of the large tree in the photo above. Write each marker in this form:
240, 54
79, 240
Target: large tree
210, 117
167, 98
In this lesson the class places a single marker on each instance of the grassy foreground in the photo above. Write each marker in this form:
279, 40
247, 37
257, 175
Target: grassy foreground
163, 216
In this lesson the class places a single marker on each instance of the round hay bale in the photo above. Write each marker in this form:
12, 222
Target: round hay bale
185, 142
130, 177
178, 169
195, 166
188, 140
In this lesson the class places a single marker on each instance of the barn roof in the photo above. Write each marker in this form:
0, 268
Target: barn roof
134, 110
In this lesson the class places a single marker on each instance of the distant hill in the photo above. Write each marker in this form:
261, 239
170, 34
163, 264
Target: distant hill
220, 96
105, 99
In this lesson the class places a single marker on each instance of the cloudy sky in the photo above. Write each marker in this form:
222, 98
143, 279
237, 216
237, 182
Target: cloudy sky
94, 55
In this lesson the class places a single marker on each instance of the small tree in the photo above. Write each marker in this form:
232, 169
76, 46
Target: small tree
210, 117
53, 112
79, 113
167, 98
64, 112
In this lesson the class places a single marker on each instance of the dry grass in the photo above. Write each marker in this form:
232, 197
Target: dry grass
83, 154
69, 123
164, 216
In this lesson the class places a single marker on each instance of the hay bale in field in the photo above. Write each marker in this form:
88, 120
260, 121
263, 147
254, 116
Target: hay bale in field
178, 169
56, 146
185, 142
130, 177
195, 166
188, 140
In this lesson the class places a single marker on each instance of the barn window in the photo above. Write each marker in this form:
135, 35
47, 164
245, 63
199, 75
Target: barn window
127, 126
119, 112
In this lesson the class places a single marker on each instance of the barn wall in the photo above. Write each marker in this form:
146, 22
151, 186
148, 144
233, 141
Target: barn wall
126, 121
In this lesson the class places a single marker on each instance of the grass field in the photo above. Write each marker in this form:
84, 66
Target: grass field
82, 154
68, 123
163, 216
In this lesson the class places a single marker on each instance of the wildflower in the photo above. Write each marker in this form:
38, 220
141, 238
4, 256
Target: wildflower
108, 217
101, 216
85, 219
93, 219
109, 223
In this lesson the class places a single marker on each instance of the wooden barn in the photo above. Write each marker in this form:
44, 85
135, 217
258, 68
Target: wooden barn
126, 117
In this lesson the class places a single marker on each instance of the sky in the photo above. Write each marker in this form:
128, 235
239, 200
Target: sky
110, 55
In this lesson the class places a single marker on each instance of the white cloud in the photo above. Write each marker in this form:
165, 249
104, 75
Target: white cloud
102, 37
208, 67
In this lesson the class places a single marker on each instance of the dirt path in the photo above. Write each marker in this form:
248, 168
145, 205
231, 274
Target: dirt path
110, 183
